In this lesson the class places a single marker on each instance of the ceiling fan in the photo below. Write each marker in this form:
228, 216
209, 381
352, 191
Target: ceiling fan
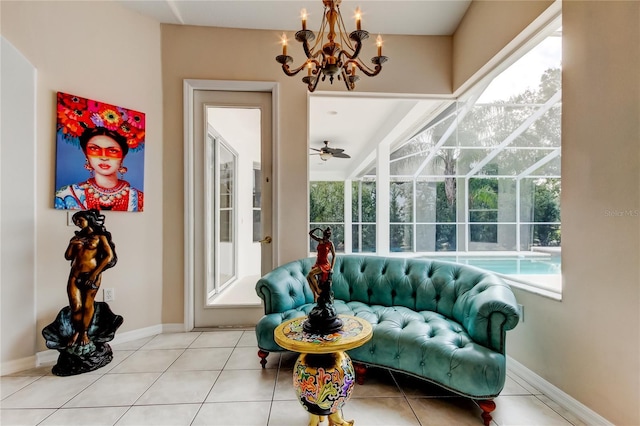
325, 152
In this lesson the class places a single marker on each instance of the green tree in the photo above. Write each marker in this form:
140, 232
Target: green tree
547, 209
364, 192
326, 208
396, 215
446, 235
326, 202
483, 207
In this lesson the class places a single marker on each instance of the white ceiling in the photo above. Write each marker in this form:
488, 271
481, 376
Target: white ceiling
356, 123
416, 17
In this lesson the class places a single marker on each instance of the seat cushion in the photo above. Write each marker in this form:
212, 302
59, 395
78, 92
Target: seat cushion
425, 344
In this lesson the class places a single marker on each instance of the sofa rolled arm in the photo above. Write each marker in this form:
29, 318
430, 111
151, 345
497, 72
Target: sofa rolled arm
489, 309
285, 287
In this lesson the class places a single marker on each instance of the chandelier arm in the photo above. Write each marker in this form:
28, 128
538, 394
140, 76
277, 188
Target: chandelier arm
305, 47
288, 71
355, 53
311, 85
366, 70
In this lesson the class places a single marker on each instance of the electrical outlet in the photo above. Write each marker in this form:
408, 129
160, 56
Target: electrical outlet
521, 312
109, 294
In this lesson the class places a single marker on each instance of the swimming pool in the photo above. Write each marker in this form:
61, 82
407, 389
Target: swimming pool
543, 265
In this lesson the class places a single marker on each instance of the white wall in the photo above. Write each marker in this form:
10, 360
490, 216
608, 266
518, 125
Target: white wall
17, 206
101, 51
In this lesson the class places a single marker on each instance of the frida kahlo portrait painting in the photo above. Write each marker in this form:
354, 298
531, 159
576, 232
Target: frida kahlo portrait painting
97, 144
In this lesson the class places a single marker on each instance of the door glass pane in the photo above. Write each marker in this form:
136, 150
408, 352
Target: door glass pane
239, 214
209, 195
257, 200
226, 225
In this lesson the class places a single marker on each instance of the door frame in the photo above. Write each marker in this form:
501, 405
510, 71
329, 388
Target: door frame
189, 87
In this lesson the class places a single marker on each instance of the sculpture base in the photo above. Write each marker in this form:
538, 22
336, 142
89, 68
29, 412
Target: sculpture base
323, 318
78, 359
70, 363
322, 325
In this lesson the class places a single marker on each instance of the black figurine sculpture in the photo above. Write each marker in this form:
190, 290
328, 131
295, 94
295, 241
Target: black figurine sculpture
323, 318
81, 330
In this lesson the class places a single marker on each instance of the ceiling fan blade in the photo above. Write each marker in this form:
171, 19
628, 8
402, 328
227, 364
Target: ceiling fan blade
341, 155
334, 150
316, 149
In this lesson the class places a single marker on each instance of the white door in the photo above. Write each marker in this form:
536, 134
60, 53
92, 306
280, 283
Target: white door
232, 204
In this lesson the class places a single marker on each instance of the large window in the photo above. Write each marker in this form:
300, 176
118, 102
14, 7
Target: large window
480, 177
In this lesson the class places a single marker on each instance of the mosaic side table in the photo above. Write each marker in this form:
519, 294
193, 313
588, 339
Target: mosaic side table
323, 376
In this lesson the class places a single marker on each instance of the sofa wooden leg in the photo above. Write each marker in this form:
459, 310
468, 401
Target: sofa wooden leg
361, 372
487, 406
263, 357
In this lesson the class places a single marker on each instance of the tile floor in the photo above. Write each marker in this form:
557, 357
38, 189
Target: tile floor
214, 378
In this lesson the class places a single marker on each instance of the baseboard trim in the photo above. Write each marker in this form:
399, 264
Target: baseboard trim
174, 328
51, 355
16, 365
577, 408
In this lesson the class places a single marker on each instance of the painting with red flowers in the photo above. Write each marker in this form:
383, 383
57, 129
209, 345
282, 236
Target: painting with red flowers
99, 156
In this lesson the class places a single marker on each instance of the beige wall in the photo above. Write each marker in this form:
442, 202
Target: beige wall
226, 54
101, 51
588, 345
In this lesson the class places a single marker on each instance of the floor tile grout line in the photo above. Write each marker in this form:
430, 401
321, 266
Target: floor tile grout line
275, 385
157, 378
98, 377
183, 352
50, 414
404, 395
18, 390
55, 410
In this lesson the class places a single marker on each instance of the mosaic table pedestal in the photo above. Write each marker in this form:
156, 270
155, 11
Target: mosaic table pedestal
323, 376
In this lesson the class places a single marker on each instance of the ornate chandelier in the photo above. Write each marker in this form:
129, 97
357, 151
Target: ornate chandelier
335, 58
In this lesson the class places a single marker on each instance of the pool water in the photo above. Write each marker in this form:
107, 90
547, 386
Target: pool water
510, 265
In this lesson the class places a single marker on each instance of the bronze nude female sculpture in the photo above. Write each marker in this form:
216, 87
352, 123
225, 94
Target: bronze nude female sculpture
81, 331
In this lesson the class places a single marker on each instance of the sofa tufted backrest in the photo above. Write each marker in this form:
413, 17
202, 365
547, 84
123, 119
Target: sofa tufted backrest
418, 284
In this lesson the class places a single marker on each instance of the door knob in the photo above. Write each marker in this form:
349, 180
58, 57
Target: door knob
266, 239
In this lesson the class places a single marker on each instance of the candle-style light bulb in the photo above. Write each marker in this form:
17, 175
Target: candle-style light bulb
358, 19
379, 43
353, 68
303, 14
309, 68
284, 44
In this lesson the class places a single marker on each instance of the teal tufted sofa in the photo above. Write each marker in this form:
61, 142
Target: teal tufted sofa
440, 321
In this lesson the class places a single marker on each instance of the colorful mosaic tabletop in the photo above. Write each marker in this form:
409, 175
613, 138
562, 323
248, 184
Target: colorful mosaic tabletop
355, 332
